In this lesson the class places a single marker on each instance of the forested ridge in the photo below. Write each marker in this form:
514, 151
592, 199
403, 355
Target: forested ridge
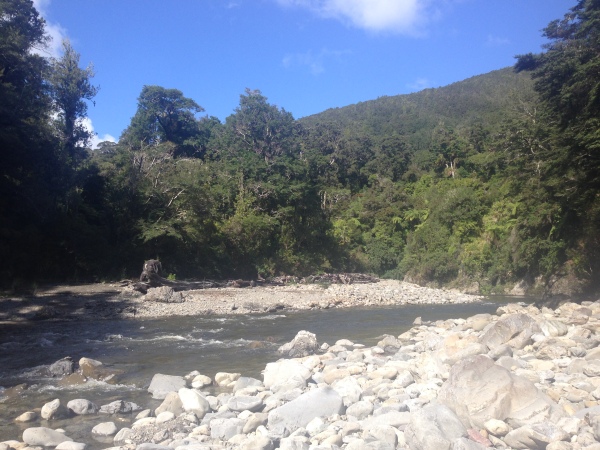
484, 183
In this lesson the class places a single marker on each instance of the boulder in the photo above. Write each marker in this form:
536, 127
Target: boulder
164, 294
535, 437
119, 407
161, 385
193, 401
53, 410
245, 403
226, 379
28, 416
44, 437
225, 429
434, 427
285, 371
105, 429
244, 382
81, 406
349, 389
69, 445
321, 402
91, 368
171, 403
64, 366
514, 329
478, 390
304, 344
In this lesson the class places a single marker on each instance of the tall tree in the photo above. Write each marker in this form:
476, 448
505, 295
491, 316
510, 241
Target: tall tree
71, 87
165, 115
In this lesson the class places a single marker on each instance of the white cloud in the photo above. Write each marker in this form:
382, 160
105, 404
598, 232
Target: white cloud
87, 124
54, 30
397, 16
419, 84
314, 61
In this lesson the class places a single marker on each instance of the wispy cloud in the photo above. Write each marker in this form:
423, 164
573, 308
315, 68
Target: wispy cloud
54, 30
495, 41
396, 16
314, 61
419, 84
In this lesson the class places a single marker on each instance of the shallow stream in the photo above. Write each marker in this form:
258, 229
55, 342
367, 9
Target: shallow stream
177, 346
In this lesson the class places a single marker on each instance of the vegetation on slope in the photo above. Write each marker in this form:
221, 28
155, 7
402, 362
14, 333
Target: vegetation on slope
491, 180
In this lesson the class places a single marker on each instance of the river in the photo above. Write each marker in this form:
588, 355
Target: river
177, 346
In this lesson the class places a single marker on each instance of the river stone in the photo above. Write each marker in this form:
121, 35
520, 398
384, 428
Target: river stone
45, 437
245, 403
201, 381
257, 443
91, 368
515, 330
553, 328
535, 437
81, 406
68, 445
321, 402
360, 409
244, 382
225, 429
161, 385
105, 429
254, 421
479, 390
349, 389
433, 427
28, 416
64, 366
123, 435
226, 379
164, 294
496, 427
193, 401
384, 434
171, 403
53, 410
119, 407
304, 344
285, 371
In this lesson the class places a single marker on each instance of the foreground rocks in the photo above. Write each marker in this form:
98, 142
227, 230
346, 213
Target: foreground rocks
524, 378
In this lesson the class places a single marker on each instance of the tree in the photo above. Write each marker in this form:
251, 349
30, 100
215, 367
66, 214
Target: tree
165, 115
70, 88
260, 127
567, 79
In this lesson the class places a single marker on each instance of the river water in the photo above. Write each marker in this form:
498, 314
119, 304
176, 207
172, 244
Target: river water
177, 346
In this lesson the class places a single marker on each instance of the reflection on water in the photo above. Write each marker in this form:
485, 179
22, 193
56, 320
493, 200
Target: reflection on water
177, 346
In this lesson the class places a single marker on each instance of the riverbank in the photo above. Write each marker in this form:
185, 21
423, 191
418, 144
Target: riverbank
523, 378
119, 300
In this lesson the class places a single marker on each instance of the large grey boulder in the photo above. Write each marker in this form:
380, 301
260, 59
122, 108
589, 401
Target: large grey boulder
225, 429
434, 427
64, 366
161, 385
119, 407
478, 390
53, 410
321, 402
44, 437
304, 344
284, 372
164, 294
171, 403
514, 329
245, 403
81, 406
245, 382
535, 437
193, 401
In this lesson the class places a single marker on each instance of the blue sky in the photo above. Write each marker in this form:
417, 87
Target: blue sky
304, 55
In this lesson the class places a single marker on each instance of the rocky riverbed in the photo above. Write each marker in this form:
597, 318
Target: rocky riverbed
524, 378
119, 300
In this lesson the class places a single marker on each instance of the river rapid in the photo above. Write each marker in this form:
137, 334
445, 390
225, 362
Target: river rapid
177, 346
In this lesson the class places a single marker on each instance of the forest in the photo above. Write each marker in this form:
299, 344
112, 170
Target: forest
491, 181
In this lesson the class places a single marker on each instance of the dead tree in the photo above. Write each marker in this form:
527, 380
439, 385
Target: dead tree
152, 267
